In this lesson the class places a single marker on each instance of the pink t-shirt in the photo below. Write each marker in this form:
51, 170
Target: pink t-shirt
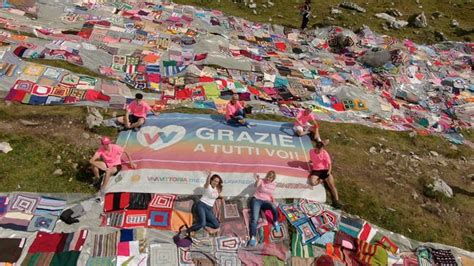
320, 161
111, 157
139, 110
231, 109
265, 190
303, 119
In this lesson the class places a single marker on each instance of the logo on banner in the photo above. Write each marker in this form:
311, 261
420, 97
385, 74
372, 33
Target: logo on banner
159, 138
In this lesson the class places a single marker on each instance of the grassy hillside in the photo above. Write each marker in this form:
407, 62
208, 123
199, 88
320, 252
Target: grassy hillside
380, 174
286, 12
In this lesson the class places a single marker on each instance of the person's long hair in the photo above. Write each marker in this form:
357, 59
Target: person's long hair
220, 184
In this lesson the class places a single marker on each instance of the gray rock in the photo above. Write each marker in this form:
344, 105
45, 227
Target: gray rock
5, 147
434, 154
414, 195
433, 208
471, 176
442, 162
29, 123
419, 21
392, 21
94, 118
58, 172
416, 157
437, 14
85, 135
335, 11
253, 5
454, 23
438, 185
392, 180
389, 163
373, 150
352, 6
270, 4
439, 36
394, 12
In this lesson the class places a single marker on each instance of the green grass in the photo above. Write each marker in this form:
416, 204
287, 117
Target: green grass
286, 12
30, 166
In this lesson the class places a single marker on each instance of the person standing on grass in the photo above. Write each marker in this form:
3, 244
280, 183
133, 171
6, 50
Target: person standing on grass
108, 159
306, 13
321, 171
203, 208
305, 123
136, 113
235, 113
263, 200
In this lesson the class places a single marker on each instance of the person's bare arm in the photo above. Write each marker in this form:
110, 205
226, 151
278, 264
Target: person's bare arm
257, 179
208, 180
94, 161
132, 165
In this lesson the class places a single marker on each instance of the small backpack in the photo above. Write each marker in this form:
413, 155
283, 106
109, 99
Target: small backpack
183, 242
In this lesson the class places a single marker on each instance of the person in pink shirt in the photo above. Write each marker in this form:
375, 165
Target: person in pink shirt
305, 123
263, 200
136, 113
235, 113
108, 159
321, 170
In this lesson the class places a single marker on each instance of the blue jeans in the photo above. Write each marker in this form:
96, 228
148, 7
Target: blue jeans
234, 120
205, 217
255, 206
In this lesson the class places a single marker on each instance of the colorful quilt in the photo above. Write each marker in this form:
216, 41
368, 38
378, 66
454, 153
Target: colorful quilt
11, 249
56, 248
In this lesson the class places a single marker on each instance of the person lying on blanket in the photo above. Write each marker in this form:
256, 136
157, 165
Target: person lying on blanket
203, 208
136, 113
108, 159
235, 113
305, 123
321, 171
263, 200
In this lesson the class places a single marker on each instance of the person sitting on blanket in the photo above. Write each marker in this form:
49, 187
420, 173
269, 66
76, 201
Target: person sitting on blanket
136, 113
321, 171
305, 123
263, 200
203, 208
108, 159
235, 113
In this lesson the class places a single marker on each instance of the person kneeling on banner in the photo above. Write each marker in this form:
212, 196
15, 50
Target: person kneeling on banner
263, 200
107, 159
235, 113
321, 171
136, 113
204, 208
305, 123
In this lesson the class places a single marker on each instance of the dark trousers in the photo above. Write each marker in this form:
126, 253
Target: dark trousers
205, 217
304, 23
255, 206
239, 115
